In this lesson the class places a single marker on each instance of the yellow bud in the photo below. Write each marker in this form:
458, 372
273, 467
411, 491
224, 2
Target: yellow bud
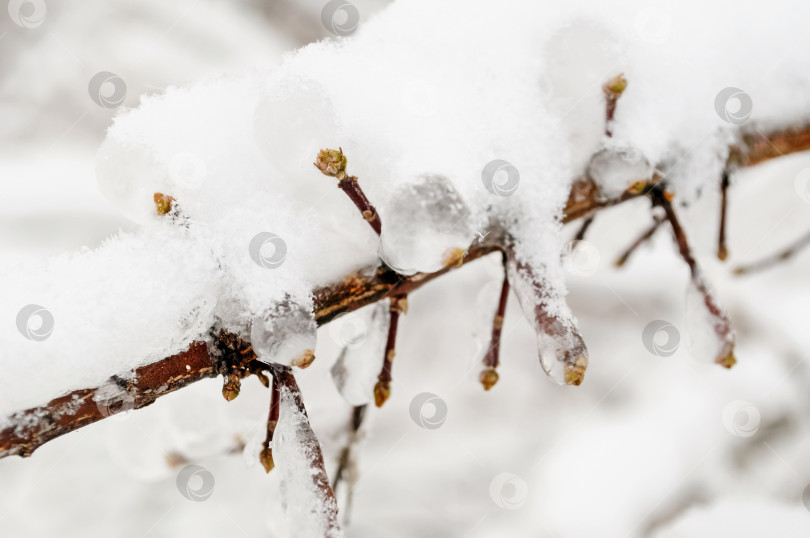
266, 459
728, 361
304, 359
453, 257
163, 203
382, 391
614, 87
488, 378
331, 162
575, 373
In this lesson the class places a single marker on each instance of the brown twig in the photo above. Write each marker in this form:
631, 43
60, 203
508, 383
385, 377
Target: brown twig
585, 199
583, 229
489, 375
774, 259
621, 260
344, 462
333, 163
382, 390
266, 454
722, 250
722, 325
347, 465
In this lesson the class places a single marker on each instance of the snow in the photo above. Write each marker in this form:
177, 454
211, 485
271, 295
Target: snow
516, 84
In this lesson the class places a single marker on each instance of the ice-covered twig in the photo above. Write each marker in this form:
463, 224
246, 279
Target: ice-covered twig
489, 375
646, 236
27, 430
612, 89
332, 162
266, 455
774, 259
562, 351
722, 250
382, 390
720, 321
299, 441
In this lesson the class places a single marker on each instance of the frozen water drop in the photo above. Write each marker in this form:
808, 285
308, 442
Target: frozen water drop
425, 224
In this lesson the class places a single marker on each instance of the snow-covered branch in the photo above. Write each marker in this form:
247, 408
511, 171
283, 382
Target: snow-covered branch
29, 429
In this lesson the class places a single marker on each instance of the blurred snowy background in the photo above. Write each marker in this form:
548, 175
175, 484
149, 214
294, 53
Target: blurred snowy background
653, 446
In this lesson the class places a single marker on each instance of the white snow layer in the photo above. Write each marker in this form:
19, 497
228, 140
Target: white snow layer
424, 90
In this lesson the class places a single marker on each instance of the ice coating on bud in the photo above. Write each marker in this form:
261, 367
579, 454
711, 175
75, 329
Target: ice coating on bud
617, 167
561, 350
426, 224
285, 334
356, 369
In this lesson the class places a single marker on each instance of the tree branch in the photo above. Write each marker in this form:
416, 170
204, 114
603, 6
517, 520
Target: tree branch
644, 237
29, 429
722, 325
784, 254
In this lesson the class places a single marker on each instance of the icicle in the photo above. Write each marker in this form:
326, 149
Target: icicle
285, 334
355, 371
310, 504
703, 301
563, 354
427, 226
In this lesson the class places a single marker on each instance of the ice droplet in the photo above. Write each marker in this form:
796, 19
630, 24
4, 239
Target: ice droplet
356, 369
422, 222
283, 332
615, 168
